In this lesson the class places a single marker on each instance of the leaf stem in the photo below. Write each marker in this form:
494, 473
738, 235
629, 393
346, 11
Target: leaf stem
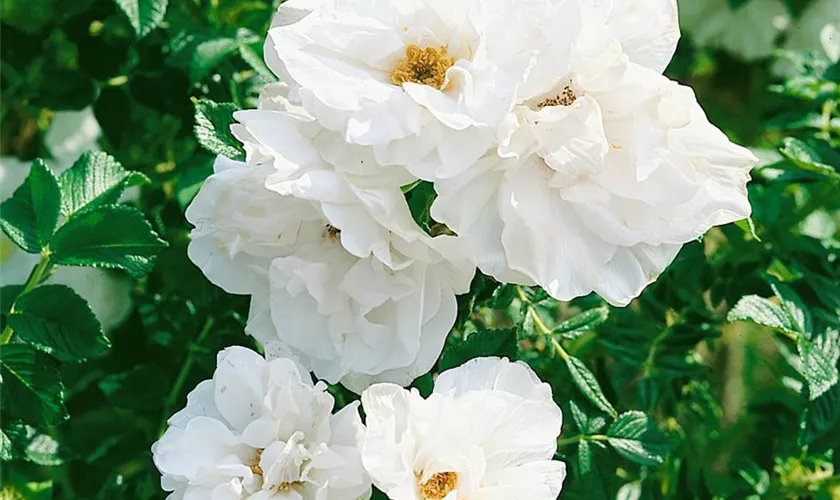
538, 322
582, 437
172, 398
38, 274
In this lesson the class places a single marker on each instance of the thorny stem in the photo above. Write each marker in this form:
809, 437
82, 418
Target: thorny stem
35, 278
172, 398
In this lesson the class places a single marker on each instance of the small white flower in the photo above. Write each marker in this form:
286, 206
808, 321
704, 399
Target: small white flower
419, 81
260, 430
488, 432
604, 170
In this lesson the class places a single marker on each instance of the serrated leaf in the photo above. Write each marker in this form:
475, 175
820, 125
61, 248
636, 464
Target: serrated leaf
7, 450
584, 457
763, 312
212, 128
112, 236
501, 343
31, 390
144, 15
54, 319
587, 424
95, 179
635, 436
252, 55
819, 362
823, 414
807, 158
793, 306
584, 322
30, 216
588, 385
34, 446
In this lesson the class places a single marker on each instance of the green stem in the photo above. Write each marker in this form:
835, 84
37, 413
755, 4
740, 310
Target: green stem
178, 386
544, 330
581, 437
35, 278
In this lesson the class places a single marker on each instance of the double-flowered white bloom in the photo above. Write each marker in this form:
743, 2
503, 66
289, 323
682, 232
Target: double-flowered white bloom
340, 275
560, 154
260, 430
604, 167
488, 432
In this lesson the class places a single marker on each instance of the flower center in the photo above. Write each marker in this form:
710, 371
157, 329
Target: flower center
255, 467
332, 233
565, 98
424, 66
438, 486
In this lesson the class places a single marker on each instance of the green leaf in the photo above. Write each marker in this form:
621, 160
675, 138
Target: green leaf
27, 15
584, 457
54, 319
635, 436
95, 179
819, 362
34, 446
212, 128
252, 55
31, 389
200, 53
8, 294
823, 414
763, 312
30, 216
587, 424
807, 158
584, 322
7, 450
108, 236
501, 343
144, 15
419, 196
588, 385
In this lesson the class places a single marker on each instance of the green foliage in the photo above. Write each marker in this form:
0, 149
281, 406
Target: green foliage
32, 389
720, 381
54, 319
31, 214
500, 343
144, 15
108, 236
212, 128
95, 179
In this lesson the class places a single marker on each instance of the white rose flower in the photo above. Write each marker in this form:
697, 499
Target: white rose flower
355, 302
260, 430
419, 81
600, 177
488, 432
750, 31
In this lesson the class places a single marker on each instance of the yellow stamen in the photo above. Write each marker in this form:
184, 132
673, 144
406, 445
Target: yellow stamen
566, 98
424, 66
438, 486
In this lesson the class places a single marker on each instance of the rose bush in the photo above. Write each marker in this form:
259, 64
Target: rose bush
349, 249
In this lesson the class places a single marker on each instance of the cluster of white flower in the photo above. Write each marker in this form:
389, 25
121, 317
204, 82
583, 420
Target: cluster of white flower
559, 153
260, 430
560, 156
